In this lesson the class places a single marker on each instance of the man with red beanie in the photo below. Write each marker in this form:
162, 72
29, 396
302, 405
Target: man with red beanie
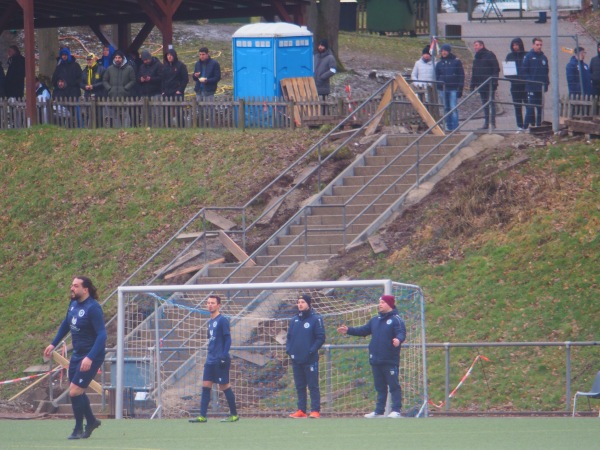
387, 331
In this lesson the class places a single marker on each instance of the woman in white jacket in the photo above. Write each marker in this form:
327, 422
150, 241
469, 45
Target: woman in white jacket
422, 72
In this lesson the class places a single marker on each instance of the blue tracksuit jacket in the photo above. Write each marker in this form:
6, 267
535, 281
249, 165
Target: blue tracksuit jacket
305, 336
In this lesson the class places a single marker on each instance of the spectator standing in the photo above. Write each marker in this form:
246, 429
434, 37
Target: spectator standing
107, 56
14, 83
91, 78
174, 76
579, 78
149, 75
485, 66
218, 362
595, 71
119, 78
423, 72
535, 73
305, 336
207, 74
69, 71
450, 72
517, 84
387, 331
85, 321
325, 68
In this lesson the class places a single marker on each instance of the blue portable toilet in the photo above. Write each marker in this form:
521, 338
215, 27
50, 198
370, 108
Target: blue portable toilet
266, 53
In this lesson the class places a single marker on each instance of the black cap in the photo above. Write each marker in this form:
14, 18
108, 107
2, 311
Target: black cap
425, 50
307, 299
324, 43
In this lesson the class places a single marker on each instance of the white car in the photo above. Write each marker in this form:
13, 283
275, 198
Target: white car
503, 5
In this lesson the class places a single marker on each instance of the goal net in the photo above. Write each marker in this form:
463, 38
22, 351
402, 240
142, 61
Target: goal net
162, 345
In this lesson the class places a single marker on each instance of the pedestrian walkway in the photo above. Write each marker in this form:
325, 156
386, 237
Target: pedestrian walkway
497, 36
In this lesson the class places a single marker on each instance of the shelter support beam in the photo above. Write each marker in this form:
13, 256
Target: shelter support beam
30, 97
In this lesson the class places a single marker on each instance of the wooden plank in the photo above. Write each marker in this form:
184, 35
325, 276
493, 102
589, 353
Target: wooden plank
301, 89
235, 249
180, 261
59, 359
40, 368
414, 100
195, 268
266, 219
581, 126
220, 221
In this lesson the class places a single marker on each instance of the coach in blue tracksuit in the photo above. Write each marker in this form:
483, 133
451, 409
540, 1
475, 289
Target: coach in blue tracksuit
387, 332
536, 74
305, 336
85, 321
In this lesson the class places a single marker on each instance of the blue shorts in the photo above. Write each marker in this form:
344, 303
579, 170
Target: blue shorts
217, 373
79, 378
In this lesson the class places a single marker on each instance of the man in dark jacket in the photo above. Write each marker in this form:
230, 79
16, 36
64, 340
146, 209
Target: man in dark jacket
325, 68
14, 83
536, 75
579, 78
91, 78
485, 66
174, 76
69, 71
595, 71
305, 336
207, 73
451, 75
517, 85
119, 80
387, 331
149, 75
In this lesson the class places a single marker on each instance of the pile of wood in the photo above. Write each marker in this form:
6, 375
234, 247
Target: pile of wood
588, 125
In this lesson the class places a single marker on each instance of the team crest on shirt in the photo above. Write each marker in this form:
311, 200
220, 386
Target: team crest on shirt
74, 320
389, 321
215, 324
307, 325
81, 313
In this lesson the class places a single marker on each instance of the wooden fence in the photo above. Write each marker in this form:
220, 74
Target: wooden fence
178, 113
579, 106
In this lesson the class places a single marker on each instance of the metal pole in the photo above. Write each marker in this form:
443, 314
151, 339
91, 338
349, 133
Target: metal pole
568, 375
432, 18
554, 64
157, 342
328, 369
120, 355
447, 382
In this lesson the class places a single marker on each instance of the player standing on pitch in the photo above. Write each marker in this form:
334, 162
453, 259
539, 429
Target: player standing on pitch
305, 336
387, 332
218, 362
85, 321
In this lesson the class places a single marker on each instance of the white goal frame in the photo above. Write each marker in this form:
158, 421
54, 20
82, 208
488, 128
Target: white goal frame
387, 287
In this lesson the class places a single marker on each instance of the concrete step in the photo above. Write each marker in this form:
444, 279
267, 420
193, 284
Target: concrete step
364, 200
290, 259
381, 179
402, 161
351, 230
301, 249
393, 150
316, 238
392, 170
351, 210
235, 279
219, 271
337, 220
427, 140
372, 188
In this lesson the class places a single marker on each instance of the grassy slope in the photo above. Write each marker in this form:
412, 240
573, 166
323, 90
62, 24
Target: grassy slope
100, 202
511, 258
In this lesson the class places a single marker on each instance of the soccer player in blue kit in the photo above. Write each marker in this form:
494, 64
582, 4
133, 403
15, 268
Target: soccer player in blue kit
85, 321
218, 362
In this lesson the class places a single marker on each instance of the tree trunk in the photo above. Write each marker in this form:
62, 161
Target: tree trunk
323, 19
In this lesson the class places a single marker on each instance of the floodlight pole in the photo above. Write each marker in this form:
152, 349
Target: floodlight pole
432, 19
120, 356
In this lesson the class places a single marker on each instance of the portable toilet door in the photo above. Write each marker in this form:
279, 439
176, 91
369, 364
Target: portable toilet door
266, 53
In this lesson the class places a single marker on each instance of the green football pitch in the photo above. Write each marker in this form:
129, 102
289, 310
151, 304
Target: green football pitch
327, 434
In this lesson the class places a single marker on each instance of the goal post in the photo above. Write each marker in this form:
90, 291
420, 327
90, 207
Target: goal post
162, 343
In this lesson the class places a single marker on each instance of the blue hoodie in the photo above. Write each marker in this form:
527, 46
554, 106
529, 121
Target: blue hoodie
573, 68
305, 336
383, 328
535, 71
